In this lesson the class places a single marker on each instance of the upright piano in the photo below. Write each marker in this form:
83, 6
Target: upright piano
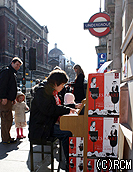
78, 125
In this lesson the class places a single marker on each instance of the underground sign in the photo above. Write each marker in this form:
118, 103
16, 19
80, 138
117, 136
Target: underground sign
99, 24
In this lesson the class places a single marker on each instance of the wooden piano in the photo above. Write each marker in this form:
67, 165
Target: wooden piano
78, 125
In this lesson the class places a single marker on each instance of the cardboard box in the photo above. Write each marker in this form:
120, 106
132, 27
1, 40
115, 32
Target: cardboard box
103, 94
111, 93
75, 164
102, 137
76, 146
96, 91
91, 167
95, 165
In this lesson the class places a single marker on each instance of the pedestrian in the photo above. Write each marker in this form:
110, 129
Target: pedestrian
8, 92
20, 118
78, 84
32, 91
45, 110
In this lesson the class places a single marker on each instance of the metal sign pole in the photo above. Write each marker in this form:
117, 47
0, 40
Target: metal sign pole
100, 6
24, 81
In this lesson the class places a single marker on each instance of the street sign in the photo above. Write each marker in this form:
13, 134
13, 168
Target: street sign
96, 25
99, 24
102, 58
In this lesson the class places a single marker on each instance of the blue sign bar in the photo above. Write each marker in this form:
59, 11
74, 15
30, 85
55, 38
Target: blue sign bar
96, 25
102, 58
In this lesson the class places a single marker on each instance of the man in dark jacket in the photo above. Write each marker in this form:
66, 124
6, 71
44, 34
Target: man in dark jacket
8, 92
45, 110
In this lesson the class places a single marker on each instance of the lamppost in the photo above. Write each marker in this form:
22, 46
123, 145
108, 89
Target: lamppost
32, 58
24, 52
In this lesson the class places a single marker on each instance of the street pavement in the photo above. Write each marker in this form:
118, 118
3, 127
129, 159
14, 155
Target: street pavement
15, 157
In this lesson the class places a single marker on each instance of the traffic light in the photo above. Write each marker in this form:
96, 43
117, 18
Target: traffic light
32, 58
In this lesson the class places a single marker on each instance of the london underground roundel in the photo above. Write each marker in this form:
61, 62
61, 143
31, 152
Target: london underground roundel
99, 24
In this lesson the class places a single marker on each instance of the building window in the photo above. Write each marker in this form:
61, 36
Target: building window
18, 38
10, 29
45, 55
10, 5
10, 46
31, 41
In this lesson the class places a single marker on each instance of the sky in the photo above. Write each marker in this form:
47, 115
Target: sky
64, 20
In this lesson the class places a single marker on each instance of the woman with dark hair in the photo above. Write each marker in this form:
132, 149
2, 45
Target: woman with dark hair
78, 84
46, 108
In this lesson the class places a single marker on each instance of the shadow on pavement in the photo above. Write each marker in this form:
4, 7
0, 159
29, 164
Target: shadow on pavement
5, 148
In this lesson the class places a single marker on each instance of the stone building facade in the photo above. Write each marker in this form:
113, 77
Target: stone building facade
16, 26
56, 58
120, 50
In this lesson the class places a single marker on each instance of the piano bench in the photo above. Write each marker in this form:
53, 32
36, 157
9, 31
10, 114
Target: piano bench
50, 142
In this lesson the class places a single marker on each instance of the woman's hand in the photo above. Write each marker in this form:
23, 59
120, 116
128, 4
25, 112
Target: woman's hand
72, 110
78, 105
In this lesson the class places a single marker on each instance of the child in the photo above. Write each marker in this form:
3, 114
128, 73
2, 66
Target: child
69, 100
20, 119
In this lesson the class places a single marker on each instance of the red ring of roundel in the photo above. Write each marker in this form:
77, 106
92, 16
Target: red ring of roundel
93, 32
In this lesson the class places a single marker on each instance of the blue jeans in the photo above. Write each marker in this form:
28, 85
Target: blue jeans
64, 137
